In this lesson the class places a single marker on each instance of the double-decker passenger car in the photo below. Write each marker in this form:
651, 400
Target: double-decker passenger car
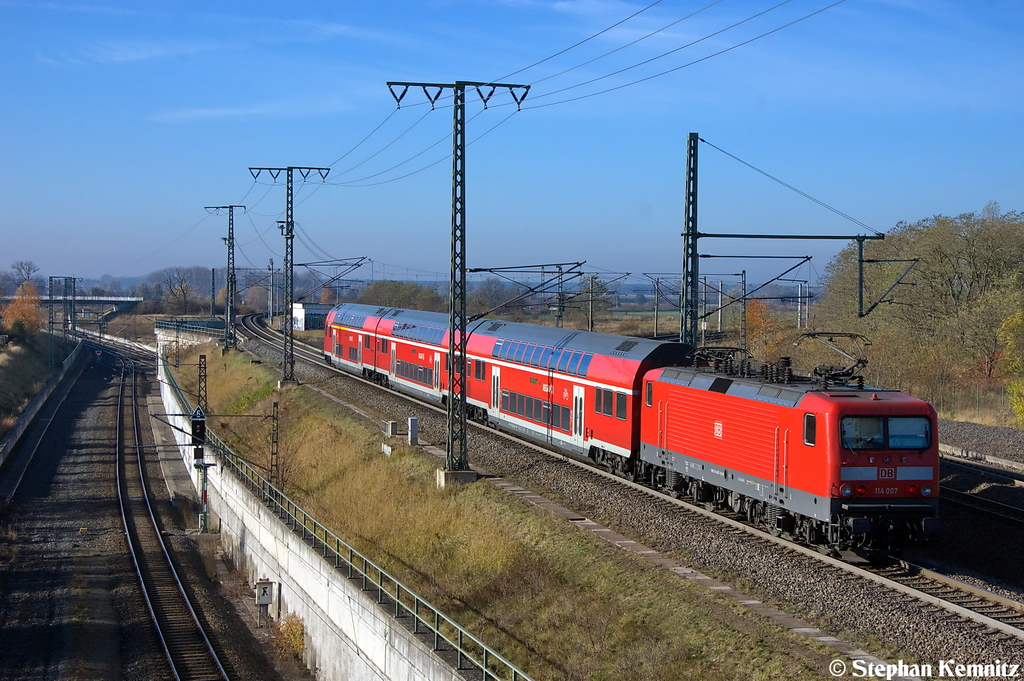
835, 465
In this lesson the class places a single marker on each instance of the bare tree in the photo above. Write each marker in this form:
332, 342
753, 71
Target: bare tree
8, 285
178, 288
25, 269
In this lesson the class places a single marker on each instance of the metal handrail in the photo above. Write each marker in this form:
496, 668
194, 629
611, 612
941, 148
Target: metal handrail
427, 619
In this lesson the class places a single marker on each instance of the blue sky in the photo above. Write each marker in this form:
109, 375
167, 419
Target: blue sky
123, 120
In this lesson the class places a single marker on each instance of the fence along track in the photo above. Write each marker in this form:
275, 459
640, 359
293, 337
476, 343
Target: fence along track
186, 646
469, 655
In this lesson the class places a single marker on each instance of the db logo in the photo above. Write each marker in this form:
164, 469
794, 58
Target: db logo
886, 473
718, 429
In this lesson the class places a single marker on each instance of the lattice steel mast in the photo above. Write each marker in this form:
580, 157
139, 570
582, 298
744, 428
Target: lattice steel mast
231, 291
288, 229
456, 455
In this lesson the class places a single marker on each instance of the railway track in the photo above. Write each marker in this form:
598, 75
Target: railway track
187, 647
1003, 618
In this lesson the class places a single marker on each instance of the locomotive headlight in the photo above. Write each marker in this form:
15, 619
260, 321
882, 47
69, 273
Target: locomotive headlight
861, 490
926, 490
845, 490
912, 490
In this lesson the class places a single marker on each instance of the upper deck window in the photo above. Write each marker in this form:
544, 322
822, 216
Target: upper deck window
877, 432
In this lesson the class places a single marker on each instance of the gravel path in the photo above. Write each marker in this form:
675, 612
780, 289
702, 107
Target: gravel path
1005, 443
853, 609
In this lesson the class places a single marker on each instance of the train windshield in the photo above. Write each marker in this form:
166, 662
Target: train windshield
879, 432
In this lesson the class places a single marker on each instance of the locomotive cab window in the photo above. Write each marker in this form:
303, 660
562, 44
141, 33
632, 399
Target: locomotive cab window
909, 432
810, 429
876, 432
650, 396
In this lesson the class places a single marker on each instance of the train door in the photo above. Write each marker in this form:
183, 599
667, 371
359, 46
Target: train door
437, 374
662, 423
495, 391
578, 392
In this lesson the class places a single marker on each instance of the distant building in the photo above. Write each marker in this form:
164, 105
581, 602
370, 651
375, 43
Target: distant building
309, 316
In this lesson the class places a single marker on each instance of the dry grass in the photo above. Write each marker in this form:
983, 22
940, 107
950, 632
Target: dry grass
23, 373
558, 602
139, 328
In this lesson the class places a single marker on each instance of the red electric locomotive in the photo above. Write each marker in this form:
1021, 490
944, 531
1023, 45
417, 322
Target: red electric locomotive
840, 466
832, 464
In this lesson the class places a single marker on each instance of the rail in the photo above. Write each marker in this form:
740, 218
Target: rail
471, 653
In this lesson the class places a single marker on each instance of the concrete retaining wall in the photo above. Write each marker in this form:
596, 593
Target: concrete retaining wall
348, 636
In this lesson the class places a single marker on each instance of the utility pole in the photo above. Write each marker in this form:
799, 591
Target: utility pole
270, 294
456, 466
743, 307
657, 303
688, 294
203, 403
213, 288
275, 463
288, 229
231, 290
51, 355
590, 308
559, 301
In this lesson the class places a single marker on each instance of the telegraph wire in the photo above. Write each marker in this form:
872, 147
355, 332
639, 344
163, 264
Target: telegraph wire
791, 187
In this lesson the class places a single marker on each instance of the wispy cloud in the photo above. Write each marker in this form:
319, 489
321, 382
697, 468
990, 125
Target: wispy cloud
71, 7
199, 114
295, 106
141, 50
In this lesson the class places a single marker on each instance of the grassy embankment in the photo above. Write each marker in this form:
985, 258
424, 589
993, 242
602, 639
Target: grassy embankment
555, 600
23, 373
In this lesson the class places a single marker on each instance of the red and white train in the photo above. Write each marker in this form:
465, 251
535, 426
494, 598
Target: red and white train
838, 466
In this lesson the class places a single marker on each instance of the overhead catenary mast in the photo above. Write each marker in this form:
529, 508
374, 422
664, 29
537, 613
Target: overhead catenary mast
456, 466
288, 230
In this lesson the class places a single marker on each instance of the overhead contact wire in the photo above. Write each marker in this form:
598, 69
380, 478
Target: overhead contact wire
792, 188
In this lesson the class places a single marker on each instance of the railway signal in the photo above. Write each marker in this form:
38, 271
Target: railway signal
198, 419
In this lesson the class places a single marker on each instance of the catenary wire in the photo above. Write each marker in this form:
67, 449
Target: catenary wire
677, 68
670, 52
585, 40
629, 44
431, 165
791, 187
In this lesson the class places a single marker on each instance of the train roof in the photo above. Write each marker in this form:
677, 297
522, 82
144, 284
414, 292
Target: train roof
604, 344
781, 393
